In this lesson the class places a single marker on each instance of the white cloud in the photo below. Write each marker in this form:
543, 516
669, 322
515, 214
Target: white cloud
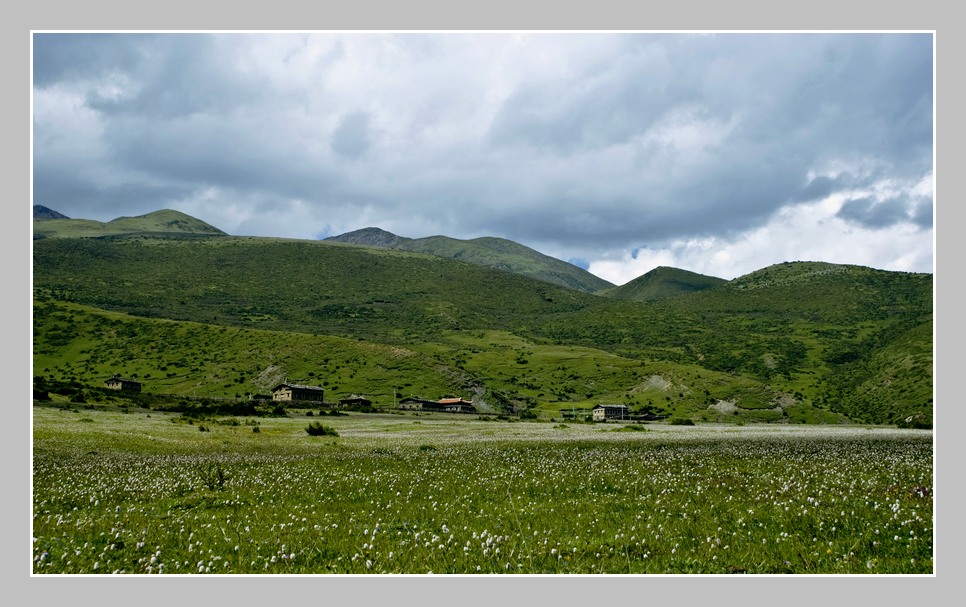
808, 232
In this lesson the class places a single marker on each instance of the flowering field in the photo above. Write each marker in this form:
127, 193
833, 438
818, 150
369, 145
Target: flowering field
144, 492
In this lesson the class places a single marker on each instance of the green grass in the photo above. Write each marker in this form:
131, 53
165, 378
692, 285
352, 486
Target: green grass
78, 347
146, 492
842, 339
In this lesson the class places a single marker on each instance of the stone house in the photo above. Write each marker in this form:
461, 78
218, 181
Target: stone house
297, 392
605, 412
119, 383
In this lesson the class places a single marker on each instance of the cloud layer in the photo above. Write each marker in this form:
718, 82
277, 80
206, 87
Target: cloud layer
717, 153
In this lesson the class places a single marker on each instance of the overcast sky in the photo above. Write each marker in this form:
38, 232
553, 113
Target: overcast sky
620, 152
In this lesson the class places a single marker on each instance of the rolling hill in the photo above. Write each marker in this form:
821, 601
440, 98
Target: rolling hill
662, 283
41, 212
156, 223
497, 253
801, 341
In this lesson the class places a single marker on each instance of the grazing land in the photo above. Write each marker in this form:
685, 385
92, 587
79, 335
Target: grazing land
143, 491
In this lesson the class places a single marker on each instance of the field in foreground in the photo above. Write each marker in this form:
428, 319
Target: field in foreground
144, 492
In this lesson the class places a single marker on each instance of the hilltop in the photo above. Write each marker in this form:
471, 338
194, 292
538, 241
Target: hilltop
163, 222
41, 212
491, 252
663, 283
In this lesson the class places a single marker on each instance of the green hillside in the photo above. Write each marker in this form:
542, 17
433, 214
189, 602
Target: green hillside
156, 223
793, 342
663, 283
292, 285
491, 252
87, 345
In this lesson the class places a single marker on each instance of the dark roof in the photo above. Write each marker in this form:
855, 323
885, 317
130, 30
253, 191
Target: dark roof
610, 407
124, 379
298, 386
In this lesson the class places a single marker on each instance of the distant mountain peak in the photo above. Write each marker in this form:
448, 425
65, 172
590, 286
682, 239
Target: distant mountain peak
372, 237
489, 251
664, 282
165, 221
42, 212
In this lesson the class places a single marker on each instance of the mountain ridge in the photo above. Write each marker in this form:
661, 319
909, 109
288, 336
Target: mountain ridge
490, 251
663, 282
164, 221
43, 213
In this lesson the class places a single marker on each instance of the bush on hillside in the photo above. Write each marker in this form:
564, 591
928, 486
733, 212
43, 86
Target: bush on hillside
317, 429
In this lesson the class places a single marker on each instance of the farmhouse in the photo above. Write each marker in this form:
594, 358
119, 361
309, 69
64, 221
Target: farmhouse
605, 412
456, 405
418, 404
355, 401
447, 405
119, 383
297, 392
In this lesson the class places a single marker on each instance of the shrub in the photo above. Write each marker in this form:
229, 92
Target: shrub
317, 429
681, 421
213, 476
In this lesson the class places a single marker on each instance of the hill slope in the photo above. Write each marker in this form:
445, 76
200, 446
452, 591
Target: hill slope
491, 252
663, 283
820, 334
42, 212
165, 221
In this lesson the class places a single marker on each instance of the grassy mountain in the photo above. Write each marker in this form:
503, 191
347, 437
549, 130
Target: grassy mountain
663, 283
487, 251
794, 342
156, 223
41, 212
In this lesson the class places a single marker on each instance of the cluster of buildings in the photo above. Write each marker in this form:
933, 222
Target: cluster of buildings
315, 394
289, 392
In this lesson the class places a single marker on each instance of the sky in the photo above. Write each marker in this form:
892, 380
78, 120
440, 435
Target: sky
718, 153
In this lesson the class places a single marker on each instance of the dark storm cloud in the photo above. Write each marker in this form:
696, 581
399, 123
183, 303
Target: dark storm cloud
877, 214
794, 104
67, 57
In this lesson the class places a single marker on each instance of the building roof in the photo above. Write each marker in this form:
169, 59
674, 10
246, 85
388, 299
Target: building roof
453, 401
117, 377
610, 407
298, 386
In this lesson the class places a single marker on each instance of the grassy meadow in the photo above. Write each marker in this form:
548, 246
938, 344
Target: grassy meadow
141, 491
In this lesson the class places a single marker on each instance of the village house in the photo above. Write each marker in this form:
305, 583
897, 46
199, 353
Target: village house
355, 401
419, 404
297, 392
119, 383
446, 405
457, 405
605, 412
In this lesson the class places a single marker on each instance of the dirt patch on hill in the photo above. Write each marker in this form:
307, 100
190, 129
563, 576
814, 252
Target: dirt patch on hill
726, 407
656, 382
270, 377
